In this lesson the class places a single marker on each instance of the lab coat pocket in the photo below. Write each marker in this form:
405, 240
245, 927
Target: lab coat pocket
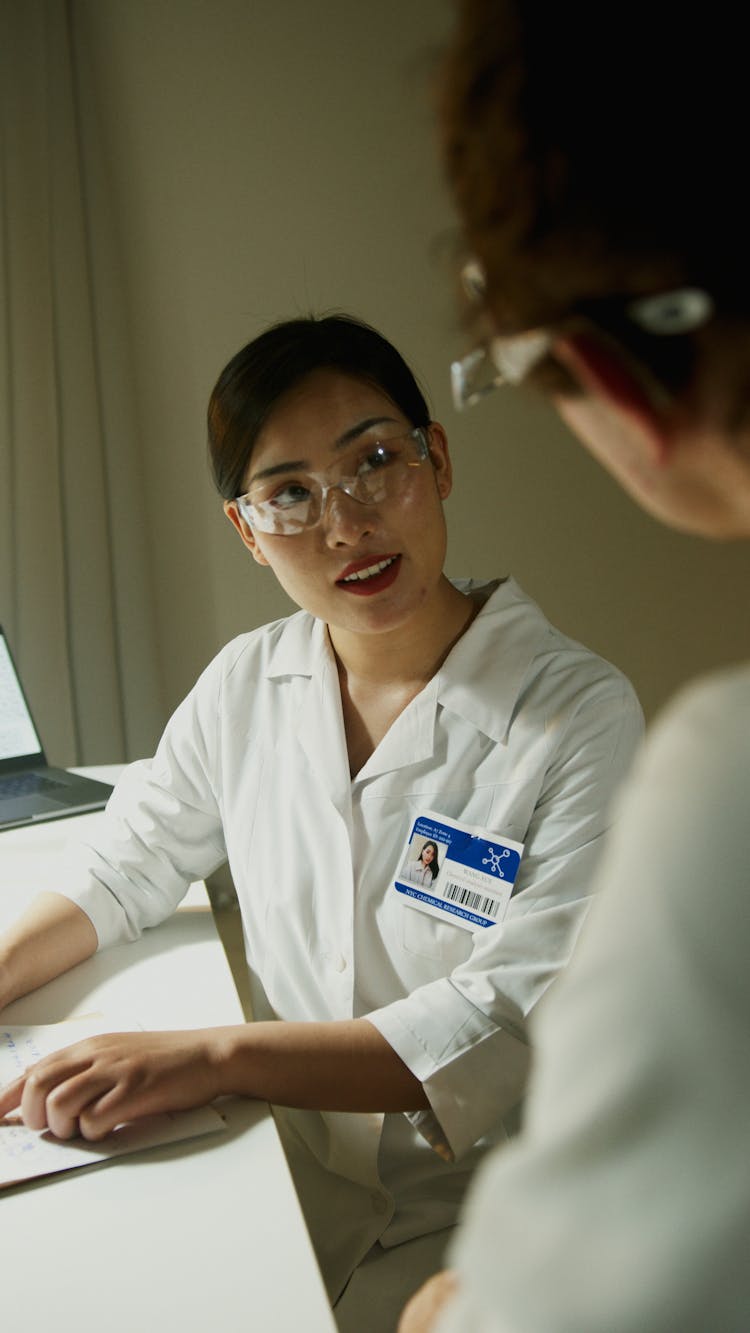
427, 937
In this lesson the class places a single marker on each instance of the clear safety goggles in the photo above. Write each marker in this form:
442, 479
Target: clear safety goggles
375, 472
509, 360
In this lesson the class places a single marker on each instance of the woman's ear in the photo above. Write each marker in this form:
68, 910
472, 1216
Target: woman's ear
441, 459
247, 536
602, 373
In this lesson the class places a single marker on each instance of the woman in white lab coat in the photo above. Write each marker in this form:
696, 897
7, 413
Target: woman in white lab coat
304, 755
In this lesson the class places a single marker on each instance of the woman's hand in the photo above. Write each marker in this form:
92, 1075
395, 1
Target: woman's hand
421, 1314
91, 1087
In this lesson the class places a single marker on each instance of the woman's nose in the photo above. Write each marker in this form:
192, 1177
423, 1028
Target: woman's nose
345, 519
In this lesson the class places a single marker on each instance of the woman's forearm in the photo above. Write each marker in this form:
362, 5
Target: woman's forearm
48, 939
334, 1066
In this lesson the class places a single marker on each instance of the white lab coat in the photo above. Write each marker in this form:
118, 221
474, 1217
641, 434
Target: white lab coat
521, 731
625, 1204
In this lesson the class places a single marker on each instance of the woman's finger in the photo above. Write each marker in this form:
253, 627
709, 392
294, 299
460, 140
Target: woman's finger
10, 1095
55, 1092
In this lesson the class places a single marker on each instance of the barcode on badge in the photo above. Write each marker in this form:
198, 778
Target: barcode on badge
476, 902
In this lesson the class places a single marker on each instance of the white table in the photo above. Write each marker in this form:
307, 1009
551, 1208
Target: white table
205, 1234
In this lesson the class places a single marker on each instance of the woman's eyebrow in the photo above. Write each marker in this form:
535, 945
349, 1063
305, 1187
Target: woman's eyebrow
295, 464
360, 428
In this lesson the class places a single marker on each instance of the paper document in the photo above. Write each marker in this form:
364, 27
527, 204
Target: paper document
25, 1153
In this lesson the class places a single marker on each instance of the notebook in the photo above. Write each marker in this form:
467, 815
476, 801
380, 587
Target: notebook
29, 789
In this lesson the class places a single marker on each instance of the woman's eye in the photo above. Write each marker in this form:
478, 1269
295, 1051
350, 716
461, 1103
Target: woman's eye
292, 493
382, 456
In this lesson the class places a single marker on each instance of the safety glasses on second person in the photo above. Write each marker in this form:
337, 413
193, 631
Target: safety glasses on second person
509, 360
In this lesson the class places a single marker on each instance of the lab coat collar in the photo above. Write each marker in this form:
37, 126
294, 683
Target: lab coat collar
304, 649
409, 740
320, 720
300, 649
481, 677
480, 680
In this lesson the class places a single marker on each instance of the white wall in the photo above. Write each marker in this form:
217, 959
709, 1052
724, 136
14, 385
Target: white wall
269, 157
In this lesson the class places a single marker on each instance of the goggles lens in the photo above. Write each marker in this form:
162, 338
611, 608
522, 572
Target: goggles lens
374, 472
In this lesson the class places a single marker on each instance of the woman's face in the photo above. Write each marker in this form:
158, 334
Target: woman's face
428, 854
399, 542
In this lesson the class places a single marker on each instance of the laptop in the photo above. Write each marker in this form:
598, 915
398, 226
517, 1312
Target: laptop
30, 790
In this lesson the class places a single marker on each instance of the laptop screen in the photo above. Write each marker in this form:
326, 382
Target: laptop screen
18, 736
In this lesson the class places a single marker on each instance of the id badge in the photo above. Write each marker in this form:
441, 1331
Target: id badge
457, 872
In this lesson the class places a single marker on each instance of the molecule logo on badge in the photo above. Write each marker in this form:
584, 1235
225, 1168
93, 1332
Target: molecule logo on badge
493, 860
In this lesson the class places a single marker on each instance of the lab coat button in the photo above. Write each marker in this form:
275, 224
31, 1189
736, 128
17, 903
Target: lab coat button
336, 961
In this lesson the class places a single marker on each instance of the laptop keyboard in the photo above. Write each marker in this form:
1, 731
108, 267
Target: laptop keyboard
26, 784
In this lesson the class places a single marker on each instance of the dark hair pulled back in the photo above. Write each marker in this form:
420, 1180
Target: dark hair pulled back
258, 377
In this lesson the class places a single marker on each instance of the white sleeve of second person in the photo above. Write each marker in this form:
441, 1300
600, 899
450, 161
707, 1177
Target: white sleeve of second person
628, 1190
464, 1036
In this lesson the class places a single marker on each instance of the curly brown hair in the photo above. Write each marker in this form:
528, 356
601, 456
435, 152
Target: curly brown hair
594, 149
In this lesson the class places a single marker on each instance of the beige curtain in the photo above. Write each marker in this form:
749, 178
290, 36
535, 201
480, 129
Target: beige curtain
75, 589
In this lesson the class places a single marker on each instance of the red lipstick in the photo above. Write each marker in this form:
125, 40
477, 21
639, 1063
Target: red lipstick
365, 577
